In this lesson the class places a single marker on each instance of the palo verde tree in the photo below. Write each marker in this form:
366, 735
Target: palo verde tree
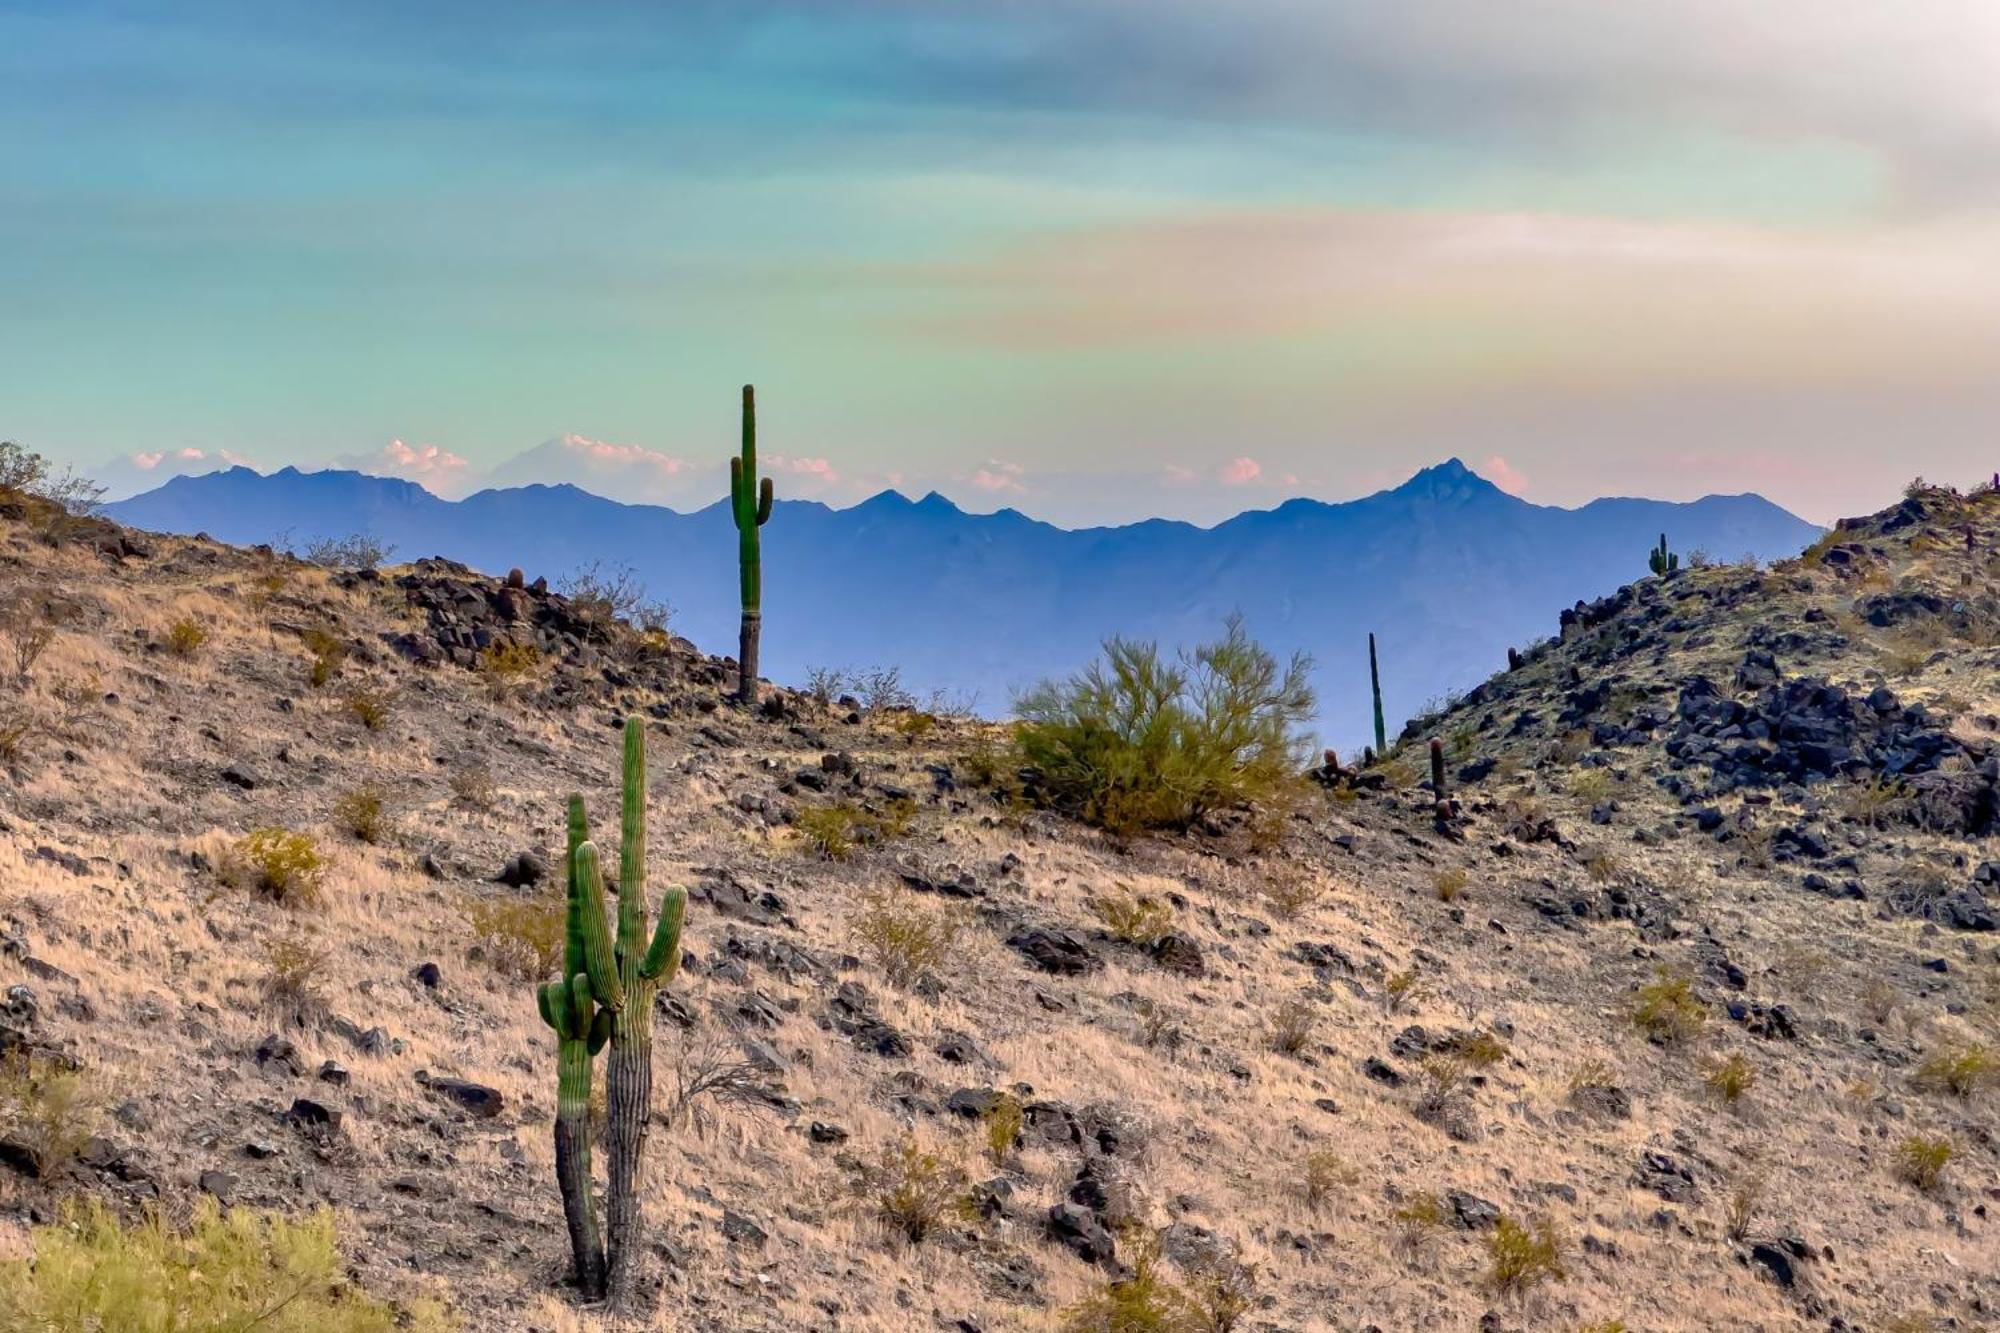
750, 502
606, 998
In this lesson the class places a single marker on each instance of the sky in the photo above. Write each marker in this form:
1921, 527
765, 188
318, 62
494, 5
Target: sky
1092, 259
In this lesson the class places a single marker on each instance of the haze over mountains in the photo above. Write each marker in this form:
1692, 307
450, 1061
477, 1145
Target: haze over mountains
1447, 569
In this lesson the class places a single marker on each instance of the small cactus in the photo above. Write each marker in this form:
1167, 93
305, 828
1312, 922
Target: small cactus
1375, 687
1662, 561
1437, 770
750, 502
516, 579
1513, 659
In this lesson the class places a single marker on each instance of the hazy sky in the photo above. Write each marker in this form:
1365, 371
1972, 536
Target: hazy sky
1091, 258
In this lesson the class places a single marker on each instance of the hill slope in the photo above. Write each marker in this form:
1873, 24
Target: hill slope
1447, 570
1704, 776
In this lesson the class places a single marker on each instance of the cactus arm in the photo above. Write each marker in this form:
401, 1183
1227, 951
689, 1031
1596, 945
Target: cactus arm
600, 1030
632, 855
545, 1001
575, 933
764, 496
663, 960
587, 907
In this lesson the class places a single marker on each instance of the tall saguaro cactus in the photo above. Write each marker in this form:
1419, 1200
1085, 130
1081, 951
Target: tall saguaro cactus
621, 976
750, 501
1375, 687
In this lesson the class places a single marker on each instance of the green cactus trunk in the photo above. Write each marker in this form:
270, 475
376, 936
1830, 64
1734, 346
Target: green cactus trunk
586, 1243
1375, 687
1662, 561
750, 503
622, 980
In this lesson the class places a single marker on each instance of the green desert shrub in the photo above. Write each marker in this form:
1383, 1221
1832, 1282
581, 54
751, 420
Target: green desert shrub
361, 814
521, 937
1666, 1011
185, 637
1137, 742
1922, 1158
834, 831
1134, 918
1959, 1068
1523, 1255
902, 937
226, 1273
284, 865
914, 1192
48, 1110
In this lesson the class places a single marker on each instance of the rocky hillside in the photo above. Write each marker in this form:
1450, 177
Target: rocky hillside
1674, 1011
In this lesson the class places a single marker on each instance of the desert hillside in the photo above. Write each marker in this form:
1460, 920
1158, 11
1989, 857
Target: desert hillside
1682, 1002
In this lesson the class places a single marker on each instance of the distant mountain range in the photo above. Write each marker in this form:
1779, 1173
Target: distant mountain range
1447, 570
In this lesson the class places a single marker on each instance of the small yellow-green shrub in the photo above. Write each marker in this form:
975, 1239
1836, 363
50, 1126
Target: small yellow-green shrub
286, 866
227, 1273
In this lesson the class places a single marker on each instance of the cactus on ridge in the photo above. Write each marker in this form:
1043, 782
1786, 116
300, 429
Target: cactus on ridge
1662, 561
1375, 687
750, 502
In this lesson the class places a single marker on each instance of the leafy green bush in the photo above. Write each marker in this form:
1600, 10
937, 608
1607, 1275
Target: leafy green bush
1666, 1010
278, 862
1135, 742
834, 831
521, 937
1960, 1069
361, 814
903, 938
46, 1108
1922, 1158
915, 1192
228, 1273
1523, 1255
1130, 918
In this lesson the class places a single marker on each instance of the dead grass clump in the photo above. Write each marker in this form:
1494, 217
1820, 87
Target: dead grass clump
185, 638
1740, 1211
293, 966
1293, 1024
522, 938
1290, 890
914, 1192
1523, 1256
29, 623
902, 937
472, 785
370, 705
283, 865
1325, 1172
1666, 1010
1134, 918
1922, 1158
1592, 786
